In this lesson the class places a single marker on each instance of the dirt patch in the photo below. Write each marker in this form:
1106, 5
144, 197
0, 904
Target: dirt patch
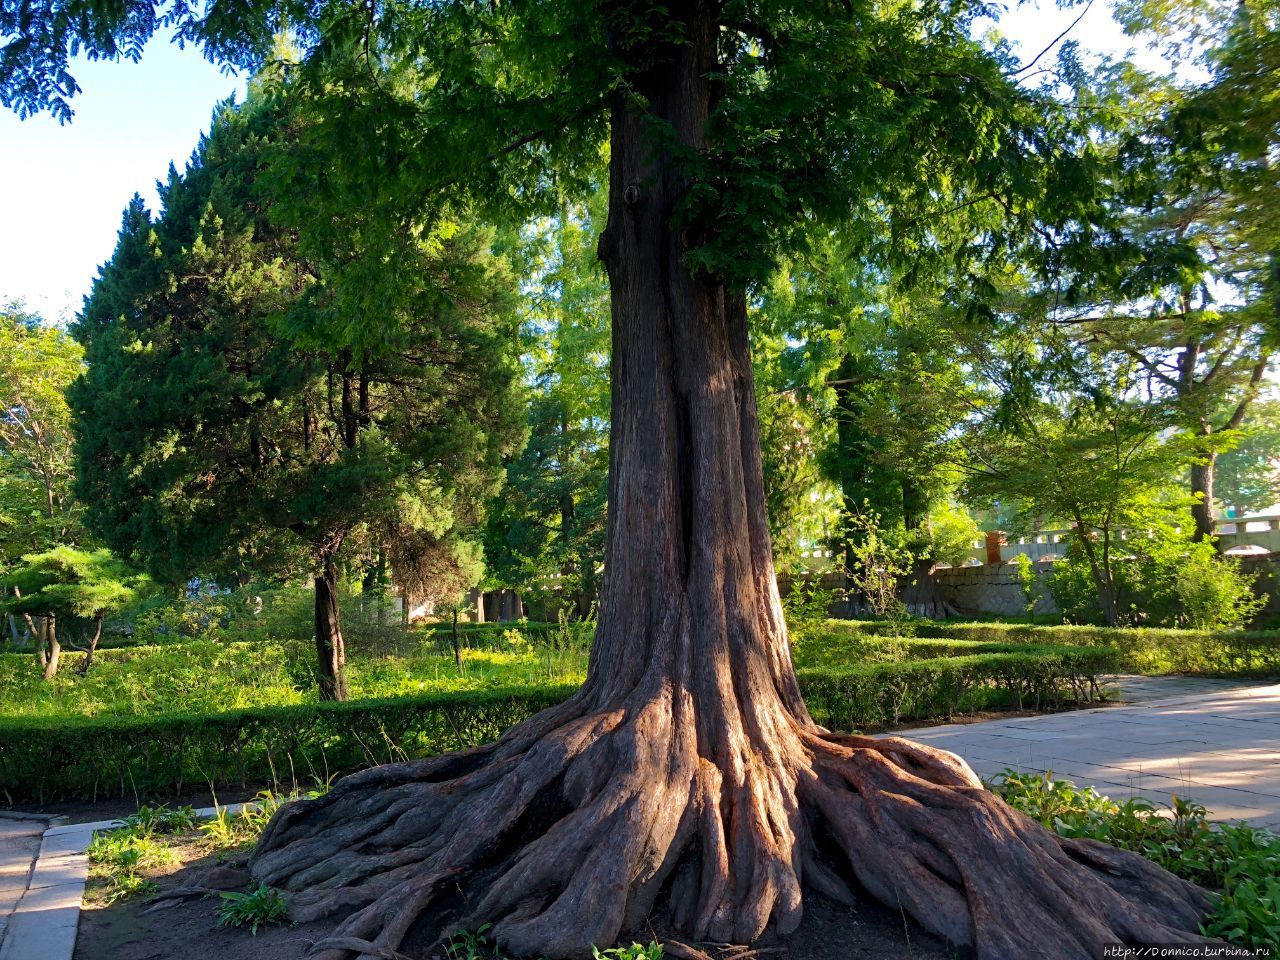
144, 929
180, 930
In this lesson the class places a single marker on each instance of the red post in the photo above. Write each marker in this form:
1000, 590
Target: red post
995, 539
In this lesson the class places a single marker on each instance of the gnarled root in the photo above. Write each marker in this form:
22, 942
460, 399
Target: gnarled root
564, 834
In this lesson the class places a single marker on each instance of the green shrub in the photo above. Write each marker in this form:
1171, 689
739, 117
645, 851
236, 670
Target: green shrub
1214, 592
1240, 861
123, 853
1164, 580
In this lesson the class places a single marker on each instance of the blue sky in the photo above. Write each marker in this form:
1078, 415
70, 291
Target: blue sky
62, 188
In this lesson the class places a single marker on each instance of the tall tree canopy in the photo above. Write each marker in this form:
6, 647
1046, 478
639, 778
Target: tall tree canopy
687, 767
224, 428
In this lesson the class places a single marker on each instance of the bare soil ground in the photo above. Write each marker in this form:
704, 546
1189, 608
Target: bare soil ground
140, 929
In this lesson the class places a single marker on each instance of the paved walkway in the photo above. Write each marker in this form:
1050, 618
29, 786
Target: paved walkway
1135, 688
1220, 748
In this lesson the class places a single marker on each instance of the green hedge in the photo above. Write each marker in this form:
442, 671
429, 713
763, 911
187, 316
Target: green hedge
1244, 653
883, 694
45, 759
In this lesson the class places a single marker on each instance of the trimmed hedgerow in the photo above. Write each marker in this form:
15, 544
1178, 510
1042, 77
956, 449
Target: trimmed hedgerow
884, 694
1243, 653
47, 758
43, 759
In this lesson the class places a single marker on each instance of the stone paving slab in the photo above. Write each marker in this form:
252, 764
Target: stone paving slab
1135, 688
1220, 747
19, 844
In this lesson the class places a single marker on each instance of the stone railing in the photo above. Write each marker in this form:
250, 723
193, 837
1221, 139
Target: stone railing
1246, 536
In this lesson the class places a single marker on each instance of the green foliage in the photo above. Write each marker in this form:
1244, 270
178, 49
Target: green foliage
60, 756
1247, 475
1140, 650
877, 695
947, 535
635, 951
37, 363
471, 945
806, 606
877, 563
1028, 581
545, 533
125, 852
149, 821
63, 755
1213, 592
69, 582
205, 675
226, 830
1240, 861
230, 421
258, 908
1162, 579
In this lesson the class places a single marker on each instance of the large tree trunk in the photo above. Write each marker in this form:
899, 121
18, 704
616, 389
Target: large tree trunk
687, 768
331, 654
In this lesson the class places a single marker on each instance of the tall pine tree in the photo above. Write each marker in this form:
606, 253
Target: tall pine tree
224, 428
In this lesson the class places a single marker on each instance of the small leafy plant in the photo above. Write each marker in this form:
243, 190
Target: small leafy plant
123, 854
1240, 861
225, 829
261, 906
637, 951
149, 821
470, 945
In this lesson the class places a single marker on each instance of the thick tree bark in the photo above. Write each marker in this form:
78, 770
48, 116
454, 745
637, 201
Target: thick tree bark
687, 768
331, 654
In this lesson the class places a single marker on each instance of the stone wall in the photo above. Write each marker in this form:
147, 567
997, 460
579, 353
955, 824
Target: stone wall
995, 589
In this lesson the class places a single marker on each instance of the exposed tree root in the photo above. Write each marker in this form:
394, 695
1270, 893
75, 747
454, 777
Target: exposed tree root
564, 833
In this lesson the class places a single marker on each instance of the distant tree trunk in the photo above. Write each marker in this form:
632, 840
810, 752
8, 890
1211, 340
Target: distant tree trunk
1202, 490
330, 652
921, 595
1103, 581
92, 648
52, 648
686, 770
457, 641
